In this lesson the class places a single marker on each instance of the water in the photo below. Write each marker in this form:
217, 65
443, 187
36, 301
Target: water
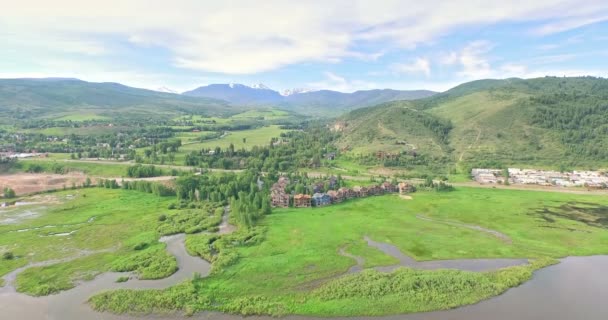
576, 288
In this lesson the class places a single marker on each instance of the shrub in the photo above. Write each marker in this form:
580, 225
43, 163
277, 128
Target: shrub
8, 256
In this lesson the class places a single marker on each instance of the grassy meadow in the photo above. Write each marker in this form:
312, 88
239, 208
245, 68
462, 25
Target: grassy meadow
105, 225
254, 137
296, 268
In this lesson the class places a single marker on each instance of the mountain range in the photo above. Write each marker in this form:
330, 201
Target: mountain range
36, 98
543, 121
309, 102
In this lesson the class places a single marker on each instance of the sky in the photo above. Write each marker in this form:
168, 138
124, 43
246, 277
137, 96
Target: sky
338, 45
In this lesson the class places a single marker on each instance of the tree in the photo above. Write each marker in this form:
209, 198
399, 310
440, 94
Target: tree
9, 193
505, 173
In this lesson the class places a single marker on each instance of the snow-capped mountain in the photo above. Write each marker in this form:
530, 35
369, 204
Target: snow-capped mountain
301, 99
260, 86
166, 90
289, 92
236, 93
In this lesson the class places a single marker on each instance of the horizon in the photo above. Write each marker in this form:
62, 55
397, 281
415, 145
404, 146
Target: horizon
283, 92
312, 45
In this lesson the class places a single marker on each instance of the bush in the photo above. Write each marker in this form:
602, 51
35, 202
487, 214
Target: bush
152, 263
8, 256
140, 246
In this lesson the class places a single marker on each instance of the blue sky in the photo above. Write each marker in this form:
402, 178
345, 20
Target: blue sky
339, 45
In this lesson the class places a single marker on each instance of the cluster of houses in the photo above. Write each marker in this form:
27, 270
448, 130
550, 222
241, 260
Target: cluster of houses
590, 179
21, 155
279, 198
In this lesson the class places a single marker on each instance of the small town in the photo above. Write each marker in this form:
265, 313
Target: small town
281, 199
589, 179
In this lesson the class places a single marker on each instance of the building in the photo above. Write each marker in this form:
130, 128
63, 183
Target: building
278, 196
279, 199
389, 187
321, 199
405, 188
375, 190
283, 181
336, 196
301, 201
333, 181
347, 193
360, 191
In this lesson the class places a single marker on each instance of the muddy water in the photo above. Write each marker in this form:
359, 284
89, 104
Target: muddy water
573, 289
70, 305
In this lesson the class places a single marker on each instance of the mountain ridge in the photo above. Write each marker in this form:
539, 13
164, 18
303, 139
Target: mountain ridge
541, 121
316, 102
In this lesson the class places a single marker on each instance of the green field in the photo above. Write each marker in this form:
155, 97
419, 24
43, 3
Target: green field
81, 117
111, 222
82, 131
291, 270
270, 114
254, 137
96, 169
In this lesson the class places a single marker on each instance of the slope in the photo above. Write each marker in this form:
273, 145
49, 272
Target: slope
35, 98
545, 121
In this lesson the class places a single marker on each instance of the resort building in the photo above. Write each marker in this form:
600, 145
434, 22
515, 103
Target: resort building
321, 199
302, 201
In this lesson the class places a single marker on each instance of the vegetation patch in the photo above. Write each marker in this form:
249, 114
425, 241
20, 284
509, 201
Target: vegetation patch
151, 263
591, 214
205, 218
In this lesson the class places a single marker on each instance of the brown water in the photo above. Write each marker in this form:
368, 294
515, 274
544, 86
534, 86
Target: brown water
574, 289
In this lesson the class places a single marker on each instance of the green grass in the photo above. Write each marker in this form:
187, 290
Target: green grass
254, 137
113, 221
81, 117
82, 131
96, 169
270, 114
300, 254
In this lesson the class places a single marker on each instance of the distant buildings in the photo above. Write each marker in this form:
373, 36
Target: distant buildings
590, 179
280, 198
321, 199
302, 201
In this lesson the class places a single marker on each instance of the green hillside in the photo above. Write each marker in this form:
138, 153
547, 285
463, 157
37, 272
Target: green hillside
545, 121
69, 99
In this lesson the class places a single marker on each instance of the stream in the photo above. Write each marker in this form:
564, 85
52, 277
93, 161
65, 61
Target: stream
572, 289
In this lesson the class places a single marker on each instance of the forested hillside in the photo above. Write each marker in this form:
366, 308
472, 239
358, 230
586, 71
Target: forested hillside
545, 121
56, 98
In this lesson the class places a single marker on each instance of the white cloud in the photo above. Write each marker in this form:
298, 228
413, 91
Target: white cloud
419, 65
335, 82
472, 59
245, 37
568, 24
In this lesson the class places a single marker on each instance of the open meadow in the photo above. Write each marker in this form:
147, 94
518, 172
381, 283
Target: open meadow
297, 267
86, 232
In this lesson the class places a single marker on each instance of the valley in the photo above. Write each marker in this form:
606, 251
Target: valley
263, 211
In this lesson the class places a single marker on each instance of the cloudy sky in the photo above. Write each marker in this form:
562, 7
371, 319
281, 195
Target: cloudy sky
340, 45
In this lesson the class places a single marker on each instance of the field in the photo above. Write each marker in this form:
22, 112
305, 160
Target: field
26, 183
90, 168
291, 271
81, 117
254, 137
96, 227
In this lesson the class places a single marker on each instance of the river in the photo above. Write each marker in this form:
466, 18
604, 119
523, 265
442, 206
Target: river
576, 288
